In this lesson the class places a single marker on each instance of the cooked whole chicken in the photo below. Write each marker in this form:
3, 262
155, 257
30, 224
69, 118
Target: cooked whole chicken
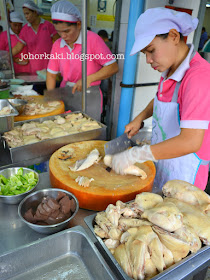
186, 192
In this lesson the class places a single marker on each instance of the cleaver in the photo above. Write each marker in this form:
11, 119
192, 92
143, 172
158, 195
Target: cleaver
119, 144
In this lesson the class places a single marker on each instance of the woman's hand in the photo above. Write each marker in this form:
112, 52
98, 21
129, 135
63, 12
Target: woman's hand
78, 85
133, 127
21, 62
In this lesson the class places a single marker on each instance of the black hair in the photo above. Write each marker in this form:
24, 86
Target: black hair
1, 28
68, 23
102, 33
164, 36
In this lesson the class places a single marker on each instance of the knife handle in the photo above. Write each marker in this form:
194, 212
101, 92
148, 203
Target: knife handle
142, 125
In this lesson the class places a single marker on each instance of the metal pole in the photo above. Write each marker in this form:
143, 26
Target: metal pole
9, 41
201, 15
84, 51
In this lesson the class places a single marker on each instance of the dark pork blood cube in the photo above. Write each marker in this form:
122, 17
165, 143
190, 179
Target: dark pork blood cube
73, 205
53, 204
28, 216
65, 204
60, 195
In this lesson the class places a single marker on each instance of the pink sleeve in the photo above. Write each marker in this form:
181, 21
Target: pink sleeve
195, 100
3, 45
53, 64
99, 48
22, 35
51, 29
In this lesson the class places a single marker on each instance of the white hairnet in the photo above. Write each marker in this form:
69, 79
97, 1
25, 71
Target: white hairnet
16, 17
64, 10
158, 21
32, 6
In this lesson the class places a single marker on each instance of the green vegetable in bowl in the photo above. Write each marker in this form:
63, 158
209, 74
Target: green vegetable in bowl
17, 183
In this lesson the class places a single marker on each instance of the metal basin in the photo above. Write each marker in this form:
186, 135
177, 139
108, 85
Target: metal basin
15, 199
18, 104
34, 199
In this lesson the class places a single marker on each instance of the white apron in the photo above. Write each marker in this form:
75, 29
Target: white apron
165, 125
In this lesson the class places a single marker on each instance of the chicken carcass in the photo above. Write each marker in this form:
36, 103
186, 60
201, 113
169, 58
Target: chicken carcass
178, 247
165, 215
186, 192
146, 200
194, 218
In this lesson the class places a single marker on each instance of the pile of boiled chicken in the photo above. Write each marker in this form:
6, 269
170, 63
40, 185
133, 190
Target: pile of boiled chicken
32, 132
5, 111
152, 233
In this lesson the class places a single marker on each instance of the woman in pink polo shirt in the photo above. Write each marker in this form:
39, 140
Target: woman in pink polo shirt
38, 35
16, 22
181, 131
67, 51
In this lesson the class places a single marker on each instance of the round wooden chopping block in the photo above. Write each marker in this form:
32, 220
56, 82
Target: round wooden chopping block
107, 187
40, 100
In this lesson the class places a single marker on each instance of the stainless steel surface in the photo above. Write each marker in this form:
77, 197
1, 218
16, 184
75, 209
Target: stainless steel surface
70, 254
15, 233
7, 121
117, 145
185, 269
18, 104
15, 199
8, 37
49, 146
73, 102
34, 199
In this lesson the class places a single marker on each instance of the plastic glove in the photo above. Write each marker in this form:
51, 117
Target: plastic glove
123, 160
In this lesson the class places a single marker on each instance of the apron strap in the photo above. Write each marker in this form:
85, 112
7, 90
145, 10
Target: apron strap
205, 162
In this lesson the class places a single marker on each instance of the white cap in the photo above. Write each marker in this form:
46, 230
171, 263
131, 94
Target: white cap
16, 17
64, 10
158, 21
32, 6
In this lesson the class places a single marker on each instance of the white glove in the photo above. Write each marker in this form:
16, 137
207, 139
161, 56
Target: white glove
123, 160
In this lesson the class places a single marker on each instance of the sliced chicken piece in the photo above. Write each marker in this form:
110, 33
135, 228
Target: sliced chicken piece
194, 218
178, 247
103, 222
186, 192
93, 157
150, 269
167, 256
100, 232
137, 251
84, 181
165, 215
125, 224
187, 234
111, 243
156, 252
113, 214
115, 233
147, 200
123, 259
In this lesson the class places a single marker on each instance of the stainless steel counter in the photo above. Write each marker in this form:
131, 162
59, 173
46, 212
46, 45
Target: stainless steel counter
14, 233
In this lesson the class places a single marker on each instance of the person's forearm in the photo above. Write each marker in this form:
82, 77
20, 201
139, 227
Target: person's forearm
17, 48
188, 141
104, 73
147, 112
50, 81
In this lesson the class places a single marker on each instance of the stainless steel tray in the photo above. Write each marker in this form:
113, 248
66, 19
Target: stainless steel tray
69, 254
7, 121
185, 269
49, 146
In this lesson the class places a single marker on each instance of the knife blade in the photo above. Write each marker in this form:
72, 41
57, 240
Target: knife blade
119, 144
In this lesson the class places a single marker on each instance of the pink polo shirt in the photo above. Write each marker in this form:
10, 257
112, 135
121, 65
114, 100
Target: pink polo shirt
68, 61
5, 47
39, 44
194, 103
